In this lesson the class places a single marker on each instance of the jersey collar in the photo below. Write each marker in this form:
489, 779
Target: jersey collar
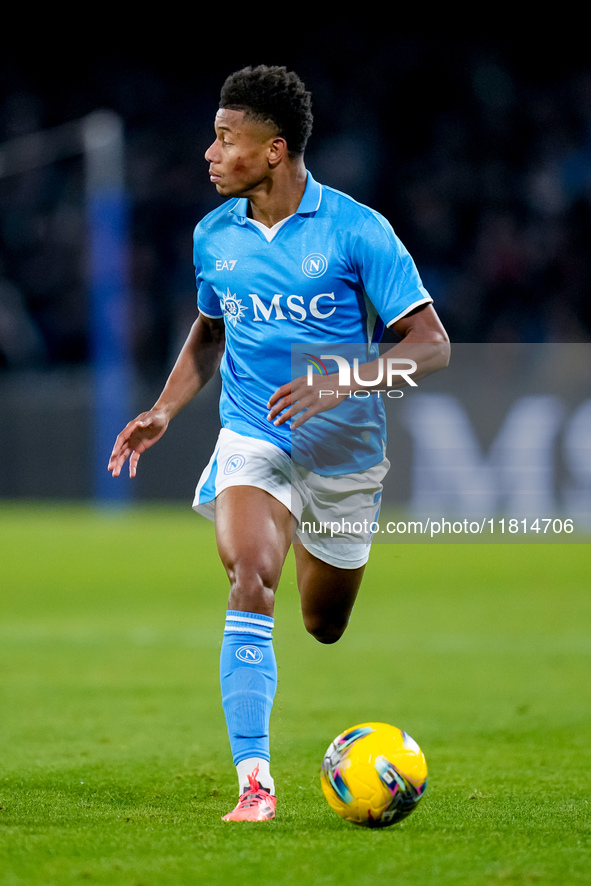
309, 203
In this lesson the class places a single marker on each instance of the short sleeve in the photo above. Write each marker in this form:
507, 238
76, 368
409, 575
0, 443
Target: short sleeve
208, 300
388, 273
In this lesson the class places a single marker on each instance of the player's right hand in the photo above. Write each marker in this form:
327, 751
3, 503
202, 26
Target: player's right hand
135, 438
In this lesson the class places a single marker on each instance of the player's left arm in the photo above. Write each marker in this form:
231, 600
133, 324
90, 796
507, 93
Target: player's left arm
423, 348
423, 339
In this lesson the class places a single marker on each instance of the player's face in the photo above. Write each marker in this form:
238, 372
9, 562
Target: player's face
239, 157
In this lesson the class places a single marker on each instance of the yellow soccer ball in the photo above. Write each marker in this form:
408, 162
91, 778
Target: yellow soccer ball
373, 775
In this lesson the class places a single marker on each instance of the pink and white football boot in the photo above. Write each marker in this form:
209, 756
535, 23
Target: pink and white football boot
256, 804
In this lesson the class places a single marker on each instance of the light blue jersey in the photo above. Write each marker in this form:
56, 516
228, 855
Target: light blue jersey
332, 273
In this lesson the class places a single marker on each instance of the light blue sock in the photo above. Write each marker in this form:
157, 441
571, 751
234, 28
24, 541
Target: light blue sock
248, 678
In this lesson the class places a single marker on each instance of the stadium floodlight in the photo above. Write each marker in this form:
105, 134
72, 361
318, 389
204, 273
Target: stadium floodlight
100, 139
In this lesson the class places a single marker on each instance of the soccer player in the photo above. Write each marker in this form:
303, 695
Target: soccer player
285, 261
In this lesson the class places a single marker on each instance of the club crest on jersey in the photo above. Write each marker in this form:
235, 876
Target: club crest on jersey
314, 265
233, 308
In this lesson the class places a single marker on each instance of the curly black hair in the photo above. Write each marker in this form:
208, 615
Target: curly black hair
272, 94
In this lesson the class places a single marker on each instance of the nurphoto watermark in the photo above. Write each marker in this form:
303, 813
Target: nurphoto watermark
350, 382
496, 448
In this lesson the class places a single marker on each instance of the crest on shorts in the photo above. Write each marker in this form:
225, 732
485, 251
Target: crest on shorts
234, 463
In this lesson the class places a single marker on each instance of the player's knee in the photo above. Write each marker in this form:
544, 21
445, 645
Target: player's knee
324, 631
252, 588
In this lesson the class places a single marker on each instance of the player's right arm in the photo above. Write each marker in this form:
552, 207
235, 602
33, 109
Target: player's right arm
197, 362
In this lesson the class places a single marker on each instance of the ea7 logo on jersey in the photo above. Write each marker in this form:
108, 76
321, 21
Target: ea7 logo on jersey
225, 265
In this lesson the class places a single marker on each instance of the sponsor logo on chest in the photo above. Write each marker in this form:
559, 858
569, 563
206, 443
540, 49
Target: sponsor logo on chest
262, 309
268, 308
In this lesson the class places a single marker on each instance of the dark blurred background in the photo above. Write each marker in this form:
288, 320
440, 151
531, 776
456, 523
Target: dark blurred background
477, 149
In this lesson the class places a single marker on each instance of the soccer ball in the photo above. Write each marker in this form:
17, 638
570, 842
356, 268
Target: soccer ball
373, 775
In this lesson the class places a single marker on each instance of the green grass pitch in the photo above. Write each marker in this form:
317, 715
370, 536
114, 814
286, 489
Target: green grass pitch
114, 761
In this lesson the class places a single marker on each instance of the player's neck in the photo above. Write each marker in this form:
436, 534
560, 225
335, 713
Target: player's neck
282, 195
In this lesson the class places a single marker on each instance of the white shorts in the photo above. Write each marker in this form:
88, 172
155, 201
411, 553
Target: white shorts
335, 515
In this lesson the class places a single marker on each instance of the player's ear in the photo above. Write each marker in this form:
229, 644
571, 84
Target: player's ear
277, 150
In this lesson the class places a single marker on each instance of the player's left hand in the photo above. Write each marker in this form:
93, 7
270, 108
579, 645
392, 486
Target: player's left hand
298, 400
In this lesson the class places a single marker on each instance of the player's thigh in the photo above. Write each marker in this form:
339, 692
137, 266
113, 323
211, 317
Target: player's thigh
253, 534
327, 593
